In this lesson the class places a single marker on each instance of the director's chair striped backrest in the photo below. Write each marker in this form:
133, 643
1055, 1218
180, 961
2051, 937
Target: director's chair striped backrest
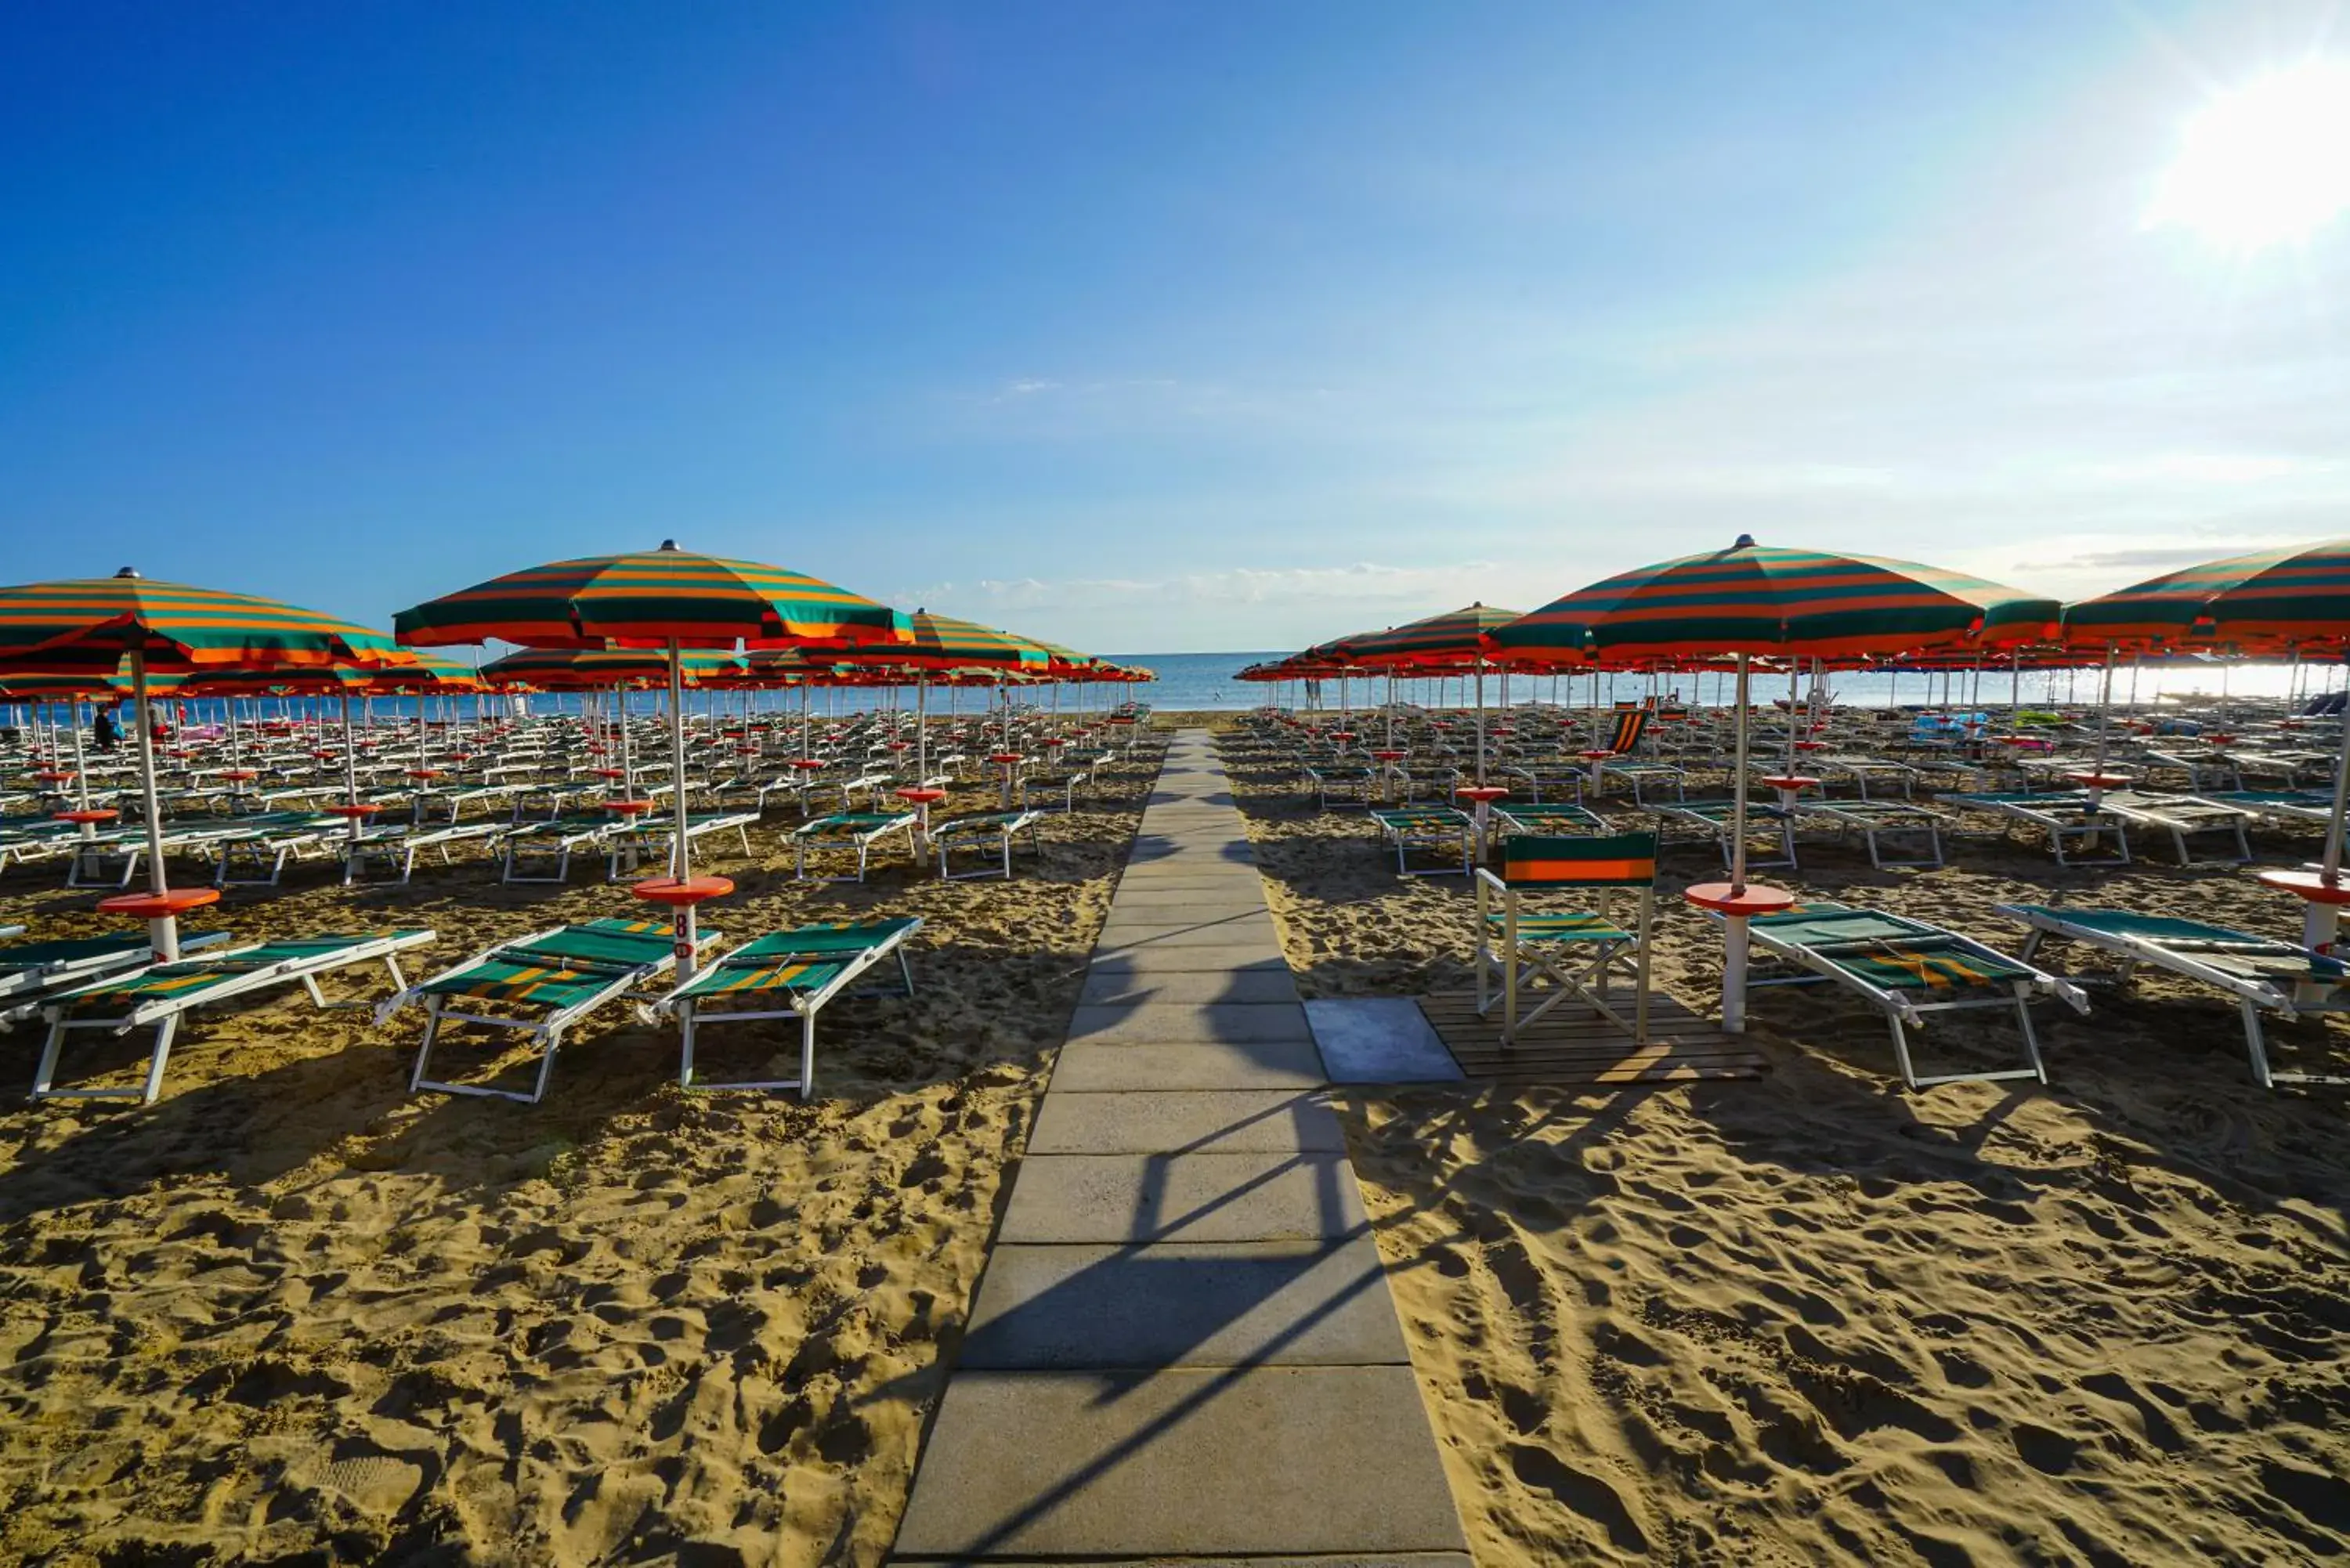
1631, 723
1609, 860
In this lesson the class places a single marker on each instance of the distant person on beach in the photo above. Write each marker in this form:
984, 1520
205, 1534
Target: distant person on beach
103, 731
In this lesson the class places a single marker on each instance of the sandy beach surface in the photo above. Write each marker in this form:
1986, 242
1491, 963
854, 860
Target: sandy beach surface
289, 1314
1816, 1319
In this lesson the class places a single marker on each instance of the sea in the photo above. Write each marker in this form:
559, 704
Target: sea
1210, 682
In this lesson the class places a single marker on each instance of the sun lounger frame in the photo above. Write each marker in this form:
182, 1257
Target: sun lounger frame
1761, 823
804, 1006
1903, 1011
2065, 817
1428, 829
1892, 818
2252, 997
826, 832
1004, 827
545, 1031
2181, 815
162, 1014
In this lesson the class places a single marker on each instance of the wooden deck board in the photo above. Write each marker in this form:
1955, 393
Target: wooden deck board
1573, 1043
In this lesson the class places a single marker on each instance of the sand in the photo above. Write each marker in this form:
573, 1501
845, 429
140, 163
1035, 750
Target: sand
289, 1312
1814, 1318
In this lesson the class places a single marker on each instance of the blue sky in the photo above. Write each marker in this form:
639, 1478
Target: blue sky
1141, 325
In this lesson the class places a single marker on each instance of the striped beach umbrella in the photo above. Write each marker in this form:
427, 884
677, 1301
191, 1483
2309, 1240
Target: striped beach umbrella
1753, 600
2297, 595
1457, 639
82, 625
667, 599
2294, 598
601, 669
938, 643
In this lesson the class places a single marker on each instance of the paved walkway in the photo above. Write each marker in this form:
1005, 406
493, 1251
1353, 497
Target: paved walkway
1183, 1344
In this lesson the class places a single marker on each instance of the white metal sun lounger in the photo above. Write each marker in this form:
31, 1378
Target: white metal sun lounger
1444, 831
1907, 968
159, 995
541, 985
2066, 816
1873, 820
553, 841
2263, 974
394, 847
1765, 826
862, 831
2183, 816
989, 834
256, 856
800, 970
653, 837
1862, 771
33, 972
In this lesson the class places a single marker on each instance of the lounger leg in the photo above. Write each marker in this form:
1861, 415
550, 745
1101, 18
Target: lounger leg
46, 1072
546, 1067
2030, 1036
163, 1033
424, 1050
685, 1047
2256, 1046
1901, 1052
807, 1054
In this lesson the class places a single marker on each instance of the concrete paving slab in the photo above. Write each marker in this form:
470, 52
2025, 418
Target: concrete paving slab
1111, 984
1096, 1068
1167, 876
1224, 895
1147, 958
1203, 1121
1137, 1198
1230, 932
1266, 1459
1272, 1303
1379, 1039
1186, 1023
1215, 849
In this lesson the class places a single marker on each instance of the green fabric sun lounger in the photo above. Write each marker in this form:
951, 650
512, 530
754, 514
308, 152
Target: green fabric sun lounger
1548, 821
1444, 831
552, 842
1871, 819
32, 972
539, 985
788, 974
2263, 974
1907, 968
859, 830
989, 834
158, 996
2068, 816
1716, 819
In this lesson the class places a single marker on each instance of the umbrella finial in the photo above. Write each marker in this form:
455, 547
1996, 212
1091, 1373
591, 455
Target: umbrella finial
669, 544
127, 572
1745, 541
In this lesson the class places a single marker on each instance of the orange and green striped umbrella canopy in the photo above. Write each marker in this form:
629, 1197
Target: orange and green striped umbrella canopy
943, 642
1752, 598
648, 600
1455, 638
576, 669
75, 626
2298, 594
430, 673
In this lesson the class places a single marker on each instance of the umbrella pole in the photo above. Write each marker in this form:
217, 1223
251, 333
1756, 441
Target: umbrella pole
2321, 921
81, 773
164, 931
2104, 717
1733, 953
350, 772
1480, 722
681, 856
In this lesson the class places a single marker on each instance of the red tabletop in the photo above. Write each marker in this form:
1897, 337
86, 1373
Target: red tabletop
238, 775
159, 905
1597, 757
60, 776
1342, 734
350, 808
2098, 781
922, 796
1792, 781
1390, 756
424, 773
1482, 792
806, 764
1810, 745
94, 813
626, 807
609, 773
1752, 899
901, 745
682, 895
1007, 758
1056, 740
2310, 885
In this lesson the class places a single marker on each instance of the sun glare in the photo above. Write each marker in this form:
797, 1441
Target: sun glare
2265, 164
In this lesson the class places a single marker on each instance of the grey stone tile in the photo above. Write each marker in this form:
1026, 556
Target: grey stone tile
1379, 1039
1203, 1121
1187, 1462
1135, 1197
1186, 1023
1275, 1304
1144, 957
1111, 984
1227, 930
1095, 1068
